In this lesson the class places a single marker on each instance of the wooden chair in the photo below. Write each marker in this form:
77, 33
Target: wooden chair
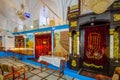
1, 77
7, 77
11, 72
8, 72
117, 70
114, 77
104, 77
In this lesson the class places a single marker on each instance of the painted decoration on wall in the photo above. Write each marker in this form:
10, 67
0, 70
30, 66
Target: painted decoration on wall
29, 40
44, 16
95, 46
24, 27
16, 29
93, 6
52, 23
0, 41
36, 24
62, 41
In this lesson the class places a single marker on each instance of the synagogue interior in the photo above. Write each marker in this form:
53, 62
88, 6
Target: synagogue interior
59, 39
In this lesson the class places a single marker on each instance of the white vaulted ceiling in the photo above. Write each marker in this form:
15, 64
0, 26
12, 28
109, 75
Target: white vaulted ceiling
10, 11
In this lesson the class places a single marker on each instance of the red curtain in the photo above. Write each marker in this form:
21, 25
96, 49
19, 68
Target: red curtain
95, 46
42, 44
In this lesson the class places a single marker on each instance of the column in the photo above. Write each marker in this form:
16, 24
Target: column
34, 44
78, 42
116, 46
52, 32
111, 42
70, 42
24, 41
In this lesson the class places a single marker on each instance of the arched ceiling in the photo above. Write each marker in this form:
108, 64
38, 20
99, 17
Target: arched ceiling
9, 10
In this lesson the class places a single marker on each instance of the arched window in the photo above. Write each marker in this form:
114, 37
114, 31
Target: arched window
43, 17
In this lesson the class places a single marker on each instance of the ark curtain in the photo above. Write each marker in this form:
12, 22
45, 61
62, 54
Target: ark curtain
42, 44
95, 46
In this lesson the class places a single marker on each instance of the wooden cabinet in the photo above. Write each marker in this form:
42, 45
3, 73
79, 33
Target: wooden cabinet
75, 62
112, 66
19, 42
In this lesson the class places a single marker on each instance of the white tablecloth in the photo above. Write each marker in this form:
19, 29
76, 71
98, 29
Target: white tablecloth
52, 60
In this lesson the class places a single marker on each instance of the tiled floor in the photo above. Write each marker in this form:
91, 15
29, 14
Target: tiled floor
35, 74
50, 74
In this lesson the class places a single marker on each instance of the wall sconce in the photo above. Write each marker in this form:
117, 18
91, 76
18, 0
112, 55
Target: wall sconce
92, 18
92, 24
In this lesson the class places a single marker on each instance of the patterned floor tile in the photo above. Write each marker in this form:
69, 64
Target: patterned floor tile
50, 71
56, 73
36, 71
61, 79
43, 74
76, 79
29, 74
67, 77
34, 78
52, 77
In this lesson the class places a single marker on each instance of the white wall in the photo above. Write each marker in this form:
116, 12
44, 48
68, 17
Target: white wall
7, 39
9, 42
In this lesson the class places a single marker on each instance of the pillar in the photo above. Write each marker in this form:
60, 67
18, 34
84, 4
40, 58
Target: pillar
111, 42
52, 32
78, 42
70, 42
116, 46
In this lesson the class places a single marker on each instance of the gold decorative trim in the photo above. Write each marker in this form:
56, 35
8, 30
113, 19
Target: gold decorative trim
78, 33
73, 24
111, 31
116, 17
101, 6
74, 63
70, 34
73, 7
116, 45
92, 65
75, 43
